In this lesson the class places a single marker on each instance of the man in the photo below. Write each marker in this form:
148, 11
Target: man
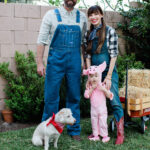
65, 28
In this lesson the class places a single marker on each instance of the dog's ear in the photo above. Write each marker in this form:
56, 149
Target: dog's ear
61, 116
61, 112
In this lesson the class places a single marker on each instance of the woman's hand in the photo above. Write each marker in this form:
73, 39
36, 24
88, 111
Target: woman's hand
102, 87
107, 82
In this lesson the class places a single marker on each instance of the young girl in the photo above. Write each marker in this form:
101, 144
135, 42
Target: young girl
101, 44
97, 93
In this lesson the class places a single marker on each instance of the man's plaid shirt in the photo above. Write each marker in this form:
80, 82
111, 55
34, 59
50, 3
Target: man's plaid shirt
112, 42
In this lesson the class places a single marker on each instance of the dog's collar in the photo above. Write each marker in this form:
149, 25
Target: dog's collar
57, 125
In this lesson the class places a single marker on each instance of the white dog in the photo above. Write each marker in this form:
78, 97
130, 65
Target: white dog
52, 128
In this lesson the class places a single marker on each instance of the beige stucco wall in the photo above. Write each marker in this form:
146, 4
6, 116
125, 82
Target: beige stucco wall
19, 27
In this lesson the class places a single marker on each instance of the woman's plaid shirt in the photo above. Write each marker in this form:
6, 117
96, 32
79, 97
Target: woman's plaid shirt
112, 42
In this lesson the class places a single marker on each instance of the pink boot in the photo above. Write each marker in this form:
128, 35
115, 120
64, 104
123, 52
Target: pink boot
120, 131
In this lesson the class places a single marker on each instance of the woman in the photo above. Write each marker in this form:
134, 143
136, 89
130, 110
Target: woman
101, 44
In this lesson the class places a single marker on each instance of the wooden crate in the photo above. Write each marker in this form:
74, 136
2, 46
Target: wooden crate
138, 107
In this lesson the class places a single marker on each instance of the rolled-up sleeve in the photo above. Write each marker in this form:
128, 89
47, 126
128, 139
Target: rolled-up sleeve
84, 30
45, 29
85, 44
113, 43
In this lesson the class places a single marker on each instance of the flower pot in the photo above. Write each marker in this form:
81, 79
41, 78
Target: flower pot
7, 115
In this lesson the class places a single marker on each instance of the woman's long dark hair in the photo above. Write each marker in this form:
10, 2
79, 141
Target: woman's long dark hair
101, 33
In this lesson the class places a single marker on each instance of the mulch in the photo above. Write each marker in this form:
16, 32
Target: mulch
4, 126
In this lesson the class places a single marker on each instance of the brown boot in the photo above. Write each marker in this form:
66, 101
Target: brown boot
120, 131
76, 137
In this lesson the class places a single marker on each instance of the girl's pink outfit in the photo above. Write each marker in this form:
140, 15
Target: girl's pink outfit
98, 105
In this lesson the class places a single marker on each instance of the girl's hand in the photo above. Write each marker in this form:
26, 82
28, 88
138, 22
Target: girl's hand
107, 82
102, 87
92, 89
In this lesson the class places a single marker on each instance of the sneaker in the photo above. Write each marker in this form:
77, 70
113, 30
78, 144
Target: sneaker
94, 138
105, 139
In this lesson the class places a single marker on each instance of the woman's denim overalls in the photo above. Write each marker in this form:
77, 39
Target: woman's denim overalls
64, 59
100, 58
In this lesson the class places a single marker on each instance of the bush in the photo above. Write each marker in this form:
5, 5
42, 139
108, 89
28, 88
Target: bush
136, 29
84, 103
122, 63
24, 91
121, 66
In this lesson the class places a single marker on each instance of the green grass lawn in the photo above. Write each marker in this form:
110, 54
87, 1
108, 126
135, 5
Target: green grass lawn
134, 140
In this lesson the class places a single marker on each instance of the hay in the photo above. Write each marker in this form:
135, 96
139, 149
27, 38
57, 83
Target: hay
138, 84
135, 92
139, 78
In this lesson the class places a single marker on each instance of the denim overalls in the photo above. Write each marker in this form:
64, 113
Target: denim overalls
100, 58
64, 59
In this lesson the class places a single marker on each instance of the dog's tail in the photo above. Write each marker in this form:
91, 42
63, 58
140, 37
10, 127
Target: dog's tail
37, 141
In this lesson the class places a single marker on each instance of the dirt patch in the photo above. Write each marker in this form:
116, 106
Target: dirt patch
14, 126
4, 126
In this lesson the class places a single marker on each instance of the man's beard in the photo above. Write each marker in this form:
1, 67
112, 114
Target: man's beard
69, 4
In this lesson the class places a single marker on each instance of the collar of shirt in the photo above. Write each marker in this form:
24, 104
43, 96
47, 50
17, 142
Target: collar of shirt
92, 35
63, 11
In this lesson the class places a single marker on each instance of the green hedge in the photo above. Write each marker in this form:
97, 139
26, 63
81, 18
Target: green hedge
122, 63
136, 28
25, 89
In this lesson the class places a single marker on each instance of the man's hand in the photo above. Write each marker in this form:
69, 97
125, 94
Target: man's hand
41, 69
40, 65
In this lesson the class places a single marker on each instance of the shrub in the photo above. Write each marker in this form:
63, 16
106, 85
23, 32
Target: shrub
136, 29
122, 63
84, 103
121, 67
24, 91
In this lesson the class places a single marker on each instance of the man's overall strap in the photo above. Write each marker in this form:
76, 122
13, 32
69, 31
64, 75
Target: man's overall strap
58, 15
77, 16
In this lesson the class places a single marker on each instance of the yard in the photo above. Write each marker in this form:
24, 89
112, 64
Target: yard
18, 34
134, 140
